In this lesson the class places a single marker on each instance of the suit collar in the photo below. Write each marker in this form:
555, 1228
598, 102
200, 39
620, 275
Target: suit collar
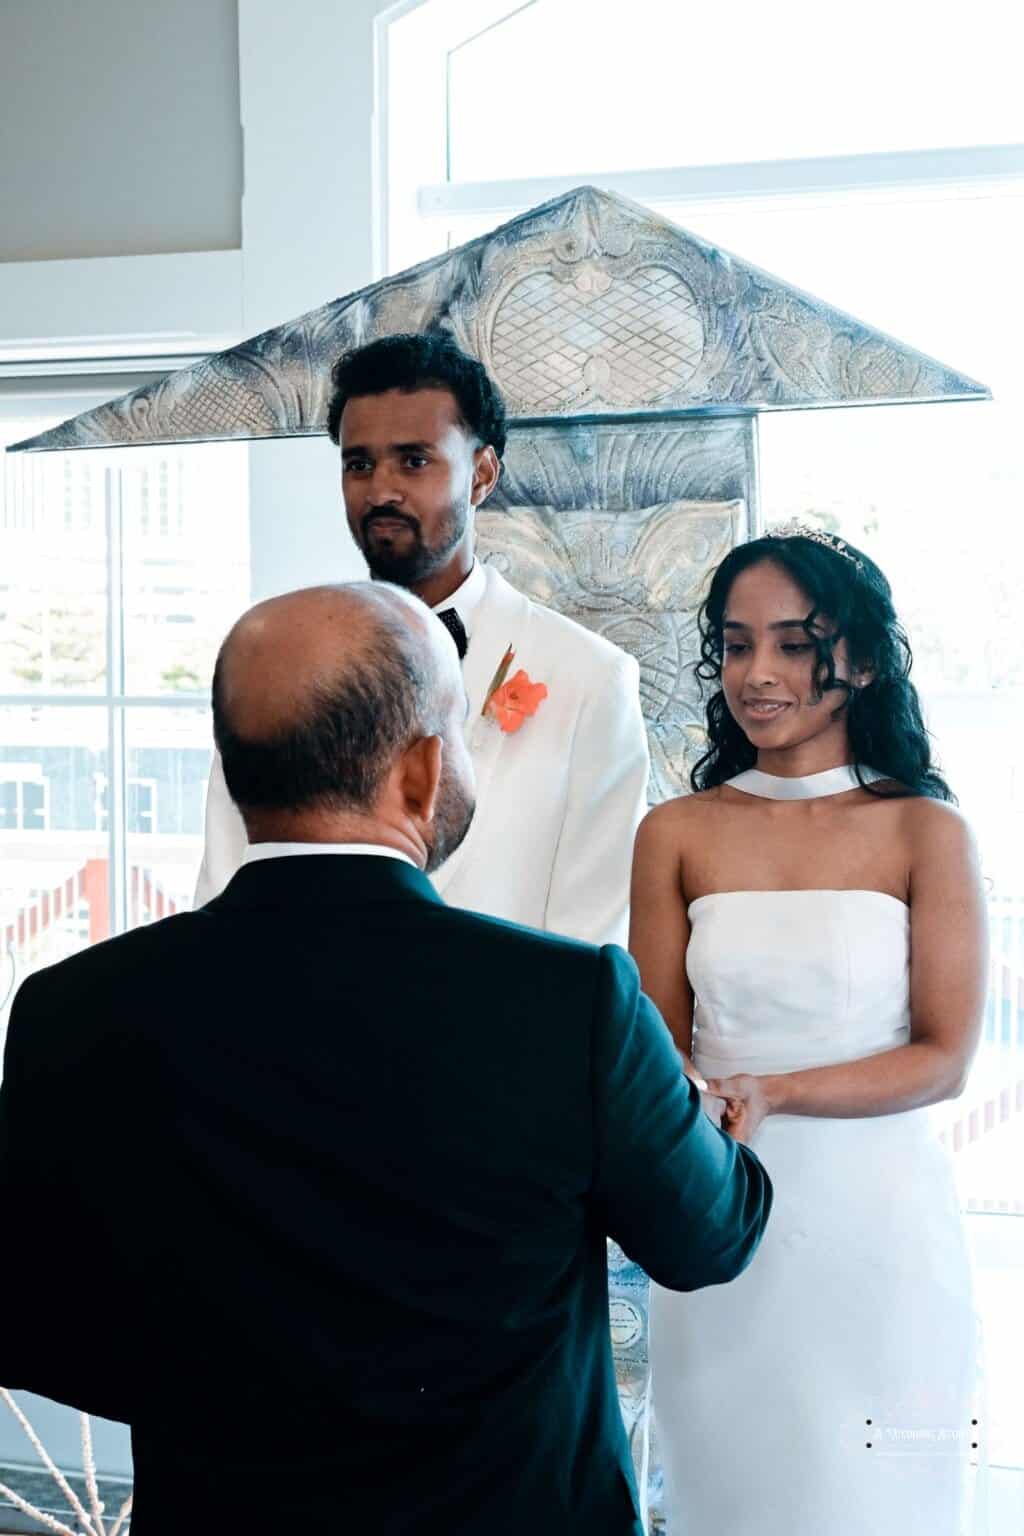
329, 880
257, 851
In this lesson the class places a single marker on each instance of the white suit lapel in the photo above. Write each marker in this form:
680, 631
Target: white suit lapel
502, 619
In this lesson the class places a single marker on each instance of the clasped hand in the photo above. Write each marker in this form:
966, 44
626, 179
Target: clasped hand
744, 1103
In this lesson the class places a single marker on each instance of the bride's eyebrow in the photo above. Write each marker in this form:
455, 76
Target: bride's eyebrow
780, 624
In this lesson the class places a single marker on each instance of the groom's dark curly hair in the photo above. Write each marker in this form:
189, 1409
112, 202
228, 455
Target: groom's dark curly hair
427, 360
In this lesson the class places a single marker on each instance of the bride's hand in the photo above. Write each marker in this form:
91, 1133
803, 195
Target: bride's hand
746, 1103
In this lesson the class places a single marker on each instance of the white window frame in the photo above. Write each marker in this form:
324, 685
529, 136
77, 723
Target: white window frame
889, 171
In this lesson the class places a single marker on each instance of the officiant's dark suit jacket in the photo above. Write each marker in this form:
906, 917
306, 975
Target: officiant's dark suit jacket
312, 1187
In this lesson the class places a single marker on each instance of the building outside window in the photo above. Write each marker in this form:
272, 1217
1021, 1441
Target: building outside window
122, 572
24, 798
140, 809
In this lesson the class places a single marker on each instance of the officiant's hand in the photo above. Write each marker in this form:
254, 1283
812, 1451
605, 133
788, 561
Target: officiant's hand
713, 1107
746, 1103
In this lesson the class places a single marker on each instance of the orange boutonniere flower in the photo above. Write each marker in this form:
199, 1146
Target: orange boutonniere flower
511, 702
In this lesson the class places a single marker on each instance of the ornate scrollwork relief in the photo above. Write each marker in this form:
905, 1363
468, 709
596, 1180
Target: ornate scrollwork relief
637, 578
586, 305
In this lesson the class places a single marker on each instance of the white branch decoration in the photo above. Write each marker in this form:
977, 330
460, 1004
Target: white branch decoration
91, 1524
33, 1513
123, 1513
89, 1469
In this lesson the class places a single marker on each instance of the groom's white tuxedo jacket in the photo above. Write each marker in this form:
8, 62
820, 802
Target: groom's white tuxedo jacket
558, 801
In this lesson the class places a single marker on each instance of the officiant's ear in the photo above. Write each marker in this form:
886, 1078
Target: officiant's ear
486, 474
419, 770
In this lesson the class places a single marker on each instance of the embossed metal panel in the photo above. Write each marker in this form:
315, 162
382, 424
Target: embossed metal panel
637, 578
588, 305
628, 465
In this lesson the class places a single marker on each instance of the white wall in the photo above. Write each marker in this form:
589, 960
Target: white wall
301, 83
307, 112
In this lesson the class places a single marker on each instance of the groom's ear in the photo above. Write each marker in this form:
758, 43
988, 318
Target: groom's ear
486, 474
419, 778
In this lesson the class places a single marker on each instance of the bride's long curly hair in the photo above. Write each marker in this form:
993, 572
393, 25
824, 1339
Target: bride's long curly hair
883, 718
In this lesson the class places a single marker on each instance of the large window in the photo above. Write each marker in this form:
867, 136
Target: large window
121, 572
855, 174
490, 106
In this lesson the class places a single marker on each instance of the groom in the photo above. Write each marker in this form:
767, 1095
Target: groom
312, 1186
561, 752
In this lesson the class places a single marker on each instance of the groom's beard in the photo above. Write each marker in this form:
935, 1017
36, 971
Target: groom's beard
403, 557
453, 816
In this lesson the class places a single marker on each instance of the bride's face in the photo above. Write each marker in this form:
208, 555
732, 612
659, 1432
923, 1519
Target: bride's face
769, 663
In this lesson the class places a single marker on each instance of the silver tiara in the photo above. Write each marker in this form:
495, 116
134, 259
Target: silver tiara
795, 529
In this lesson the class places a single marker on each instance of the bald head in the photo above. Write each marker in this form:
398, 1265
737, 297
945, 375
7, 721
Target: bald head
317, 691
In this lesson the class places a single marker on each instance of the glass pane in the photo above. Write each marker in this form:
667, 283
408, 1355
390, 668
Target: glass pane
53, 577
567, 86
927, 267
934, 494
168, 764
54, 872
998, 1249
186, 561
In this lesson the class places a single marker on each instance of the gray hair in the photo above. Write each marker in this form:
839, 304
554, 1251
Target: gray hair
337, 754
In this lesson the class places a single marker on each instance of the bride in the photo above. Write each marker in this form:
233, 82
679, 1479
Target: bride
811, 926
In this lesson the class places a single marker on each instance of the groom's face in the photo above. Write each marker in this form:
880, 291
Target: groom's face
411, 476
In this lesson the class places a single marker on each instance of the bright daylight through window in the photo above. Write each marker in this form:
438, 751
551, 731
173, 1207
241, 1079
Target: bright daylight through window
121, 573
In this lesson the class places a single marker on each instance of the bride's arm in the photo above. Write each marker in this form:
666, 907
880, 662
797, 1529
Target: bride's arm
948, 973
659, 929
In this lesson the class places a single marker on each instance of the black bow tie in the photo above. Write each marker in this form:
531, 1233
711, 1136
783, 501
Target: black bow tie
455, 627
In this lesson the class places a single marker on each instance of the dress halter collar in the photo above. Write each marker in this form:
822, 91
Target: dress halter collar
813, 786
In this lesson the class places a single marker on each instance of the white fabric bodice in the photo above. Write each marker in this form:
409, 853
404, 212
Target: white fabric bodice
784, 980
852, 1331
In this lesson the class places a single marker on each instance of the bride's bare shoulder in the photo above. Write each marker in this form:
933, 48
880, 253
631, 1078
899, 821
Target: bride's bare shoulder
681, 812
935, 825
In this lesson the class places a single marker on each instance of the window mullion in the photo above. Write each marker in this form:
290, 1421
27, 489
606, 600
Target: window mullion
117, 830
976, 166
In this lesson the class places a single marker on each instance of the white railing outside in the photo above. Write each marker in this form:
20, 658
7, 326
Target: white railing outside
984, 1127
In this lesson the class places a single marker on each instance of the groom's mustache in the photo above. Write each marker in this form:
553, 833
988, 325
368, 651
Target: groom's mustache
388, 514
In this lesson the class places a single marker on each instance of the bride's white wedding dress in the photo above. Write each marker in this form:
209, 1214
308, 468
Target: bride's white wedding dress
829, 1390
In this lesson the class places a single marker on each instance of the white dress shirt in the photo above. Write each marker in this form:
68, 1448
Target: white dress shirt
256, 851
466, 598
